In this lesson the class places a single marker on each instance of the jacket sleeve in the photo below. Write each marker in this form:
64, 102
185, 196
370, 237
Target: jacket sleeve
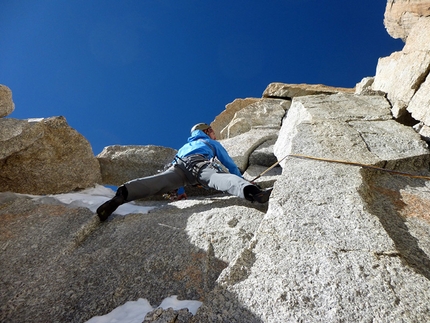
225, 159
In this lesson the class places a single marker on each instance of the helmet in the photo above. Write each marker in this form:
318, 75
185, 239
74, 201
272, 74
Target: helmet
200, 126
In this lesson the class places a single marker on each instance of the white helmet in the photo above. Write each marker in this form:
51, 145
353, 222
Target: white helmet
200, 126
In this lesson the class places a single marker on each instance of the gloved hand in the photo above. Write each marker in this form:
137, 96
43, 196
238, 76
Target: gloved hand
180, 194
176, 195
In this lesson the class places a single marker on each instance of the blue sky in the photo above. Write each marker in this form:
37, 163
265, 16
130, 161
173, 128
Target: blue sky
143, 72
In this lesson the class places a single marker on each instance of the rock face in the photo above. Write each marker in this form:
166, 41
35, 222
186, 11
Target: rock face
326, 250
6, 104
224, 118
337, 242
404, 75
411, 68
288, 91
60, 264
120, 164
241, 147
265, 112
401, 16
45, 157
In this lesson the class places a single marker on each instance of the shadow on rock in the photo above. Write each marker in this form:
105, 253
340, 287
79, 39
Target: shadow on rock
402, 205
61, 264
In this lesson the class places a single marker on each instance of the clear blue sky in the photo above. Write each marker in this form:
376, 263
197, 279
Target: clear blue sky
143, 72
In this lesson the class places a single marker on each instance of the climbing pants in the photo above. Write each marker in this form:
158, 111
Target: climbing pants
188, 171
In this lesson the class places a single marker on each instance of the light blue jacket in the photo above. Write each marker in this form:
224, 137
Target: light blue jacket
196, 145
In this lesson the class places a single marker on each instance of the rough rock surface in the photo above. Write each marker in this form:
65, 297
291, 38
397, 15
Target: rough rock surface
289, 91
6, 103
409, 69
263, 155
265, 112
60, 264
420, 103
46, 156
168, 316
342, 116
327, 250
418, 36
418, 42
120, 164
337, 242
224, 118
401, 15
17, 135
403, 75
241, 147
364, 87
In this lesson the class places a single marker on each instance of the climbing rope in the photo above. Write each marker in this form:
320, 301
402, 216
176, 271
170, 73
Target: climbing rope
345, 163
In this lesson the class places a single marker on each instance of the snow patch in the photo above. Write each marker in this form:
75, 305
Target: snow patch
135, 311
92, 198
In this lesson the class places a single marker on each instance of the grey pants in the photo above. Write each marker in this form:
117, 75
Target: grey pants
174, 177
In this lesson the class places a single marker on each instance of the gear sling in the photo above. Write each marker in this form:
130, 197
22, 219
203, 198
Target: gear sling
193, 164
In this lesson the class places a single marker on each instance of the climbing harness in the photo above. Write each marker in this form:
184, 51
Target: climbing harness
345, 163
191, 166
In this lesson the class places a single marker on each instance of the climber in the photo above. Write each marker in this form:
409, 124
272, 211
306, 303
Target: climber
193, 165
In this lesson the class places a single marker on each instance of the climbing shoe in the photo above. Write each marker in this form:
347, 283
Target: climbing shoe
254, 193
263, 196
107, 208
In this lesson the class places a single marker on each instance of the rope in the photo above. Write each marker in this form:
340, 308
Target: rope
275, 164
345, 163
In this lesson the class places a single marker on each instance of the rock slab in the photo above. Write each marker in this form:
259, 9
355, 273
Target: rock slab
120, 164
6, 103
45, 156
329, 249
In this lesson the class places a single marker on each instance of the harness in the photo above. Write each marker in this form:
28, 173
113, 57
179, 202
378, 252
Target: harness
192, 165
212, 160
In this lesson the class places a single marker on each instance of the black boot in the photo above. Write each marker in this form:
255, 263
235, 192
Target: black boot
253, 193
108, 207
263, 196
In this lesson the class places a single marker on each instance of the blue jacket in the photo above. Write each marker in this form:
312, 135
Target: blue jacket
195, 145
